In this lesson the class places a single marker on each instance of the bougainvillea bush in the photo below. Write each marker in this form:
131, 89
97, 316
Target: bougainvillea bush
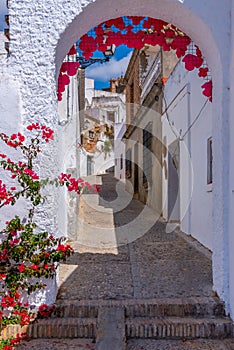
135, 32
28, 256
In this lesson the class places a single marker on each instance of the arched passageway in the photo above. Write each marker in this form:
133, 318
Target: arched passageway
72, 21
213, 63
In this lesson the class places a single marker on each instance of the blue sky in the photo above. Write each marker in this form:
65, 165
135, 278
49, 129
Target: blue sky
102, 73
3, 12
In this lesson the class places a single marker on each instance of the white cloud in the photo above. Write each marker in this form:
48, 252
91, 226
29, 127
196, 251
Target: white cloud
111, 69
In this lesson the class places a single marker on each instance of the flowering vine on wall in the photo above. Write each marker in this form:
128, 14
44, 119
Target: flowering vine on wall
135, 32
28, 255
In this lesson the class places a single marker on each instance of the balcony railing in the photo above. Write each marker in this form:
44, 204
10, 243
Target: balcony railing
151, 76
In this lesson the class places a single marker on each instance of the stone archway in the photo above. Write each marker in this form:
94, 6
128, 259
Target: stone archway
36, 59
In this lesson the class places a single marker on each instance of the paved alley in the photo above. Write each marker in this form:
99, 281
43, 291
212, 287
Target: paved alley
154, 265
149, 290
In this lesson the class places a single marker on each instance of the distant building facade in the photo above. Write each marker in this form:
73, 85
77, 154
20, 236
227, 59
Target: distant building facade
103, 111
144, 77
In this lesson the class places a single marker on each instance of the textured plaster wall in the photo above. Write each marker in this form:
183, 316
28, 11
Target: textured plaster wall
68, 157
41, 35
195, 194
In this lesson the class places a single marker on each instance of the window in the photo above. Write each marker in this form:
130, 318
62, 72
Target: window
209, 161
128, 163
121, 161
147, 154
111, 116
91, 134
89, 165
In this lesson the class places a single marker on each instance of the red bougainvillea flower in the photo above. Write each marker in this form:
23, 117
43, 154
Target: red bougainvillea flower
16, 340
156, 24
34, 267
5, 196
63, 248
14, 140
207, 90
8, 301
45, 310
14, 242
33, 126
63, 80
2, 277
7, 347
72, 51
180, 44
47, 133
21, 268
31, 173
60, 96
117, 22
192, 61
72, 68
169, 33
203, 72
135, 19
87, 44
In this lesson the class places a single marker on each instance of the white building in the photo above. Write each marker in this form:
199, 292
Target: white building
69, 155
28, 91
104, 111
187, 156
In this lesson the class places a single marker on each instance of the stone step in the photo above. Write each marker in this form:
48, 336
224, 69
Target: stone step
194, 344
179, 307
179, 328
111, 329
57, 344
55, 328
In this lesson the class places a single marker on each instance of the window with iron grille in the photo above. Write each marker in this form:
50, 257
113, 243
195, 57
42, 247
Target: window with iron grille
147, 154
209, 161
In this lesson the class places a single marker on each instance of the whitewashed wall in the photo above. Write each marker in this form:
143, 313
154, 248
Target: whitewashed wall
195, 194
42, 33
120, 151
68, 157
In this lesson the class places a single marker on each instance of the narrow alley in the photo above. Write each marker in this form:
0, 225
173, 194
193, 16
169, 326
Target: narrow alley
155, 292
156, 265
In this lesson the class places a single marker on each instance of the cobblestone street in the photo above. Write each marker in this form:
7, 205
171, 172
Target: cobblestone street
156, 265
158, 273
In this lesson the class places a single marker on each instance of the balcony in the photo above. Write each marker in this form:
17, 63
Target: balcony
151, 76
